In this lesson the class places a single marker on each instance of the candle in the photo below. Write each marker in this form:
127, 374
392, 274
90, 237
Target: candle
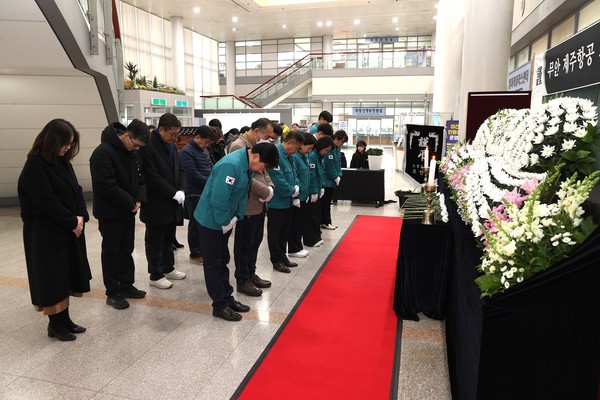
426, 157
430, 181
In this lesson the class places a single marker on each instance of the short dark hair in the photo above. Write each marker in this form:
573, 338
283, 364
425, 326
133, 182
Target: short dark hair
296, 124
215, 122
325, 129
341, 135
326, 115
309, 139
138, 131
205, 132
56, 134
268, 154
244, 129
295, 136
168, 121
324, 142
261, 124
278, 130
361, 143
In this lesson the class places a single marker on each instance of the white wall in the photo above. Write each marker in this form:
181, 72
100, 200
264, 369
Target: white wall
381, 85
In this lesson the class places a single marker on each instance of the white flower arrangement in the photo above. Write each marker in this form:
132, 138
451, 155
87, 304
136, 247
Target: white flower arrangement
492, 181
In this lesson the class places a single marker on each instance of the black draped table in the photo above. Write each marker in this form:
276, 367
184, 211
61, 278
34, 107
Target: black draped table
538, 340
361, 185
422, 270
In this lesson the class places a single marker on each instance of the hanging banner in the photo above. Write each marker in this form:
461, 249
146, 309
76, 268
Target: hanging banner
570, 65
418, 137
519, 79
451, 134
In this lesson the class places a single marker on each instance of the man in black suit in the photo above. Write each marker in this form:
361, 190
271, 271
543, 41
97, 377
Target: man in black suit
163, 210
119, 190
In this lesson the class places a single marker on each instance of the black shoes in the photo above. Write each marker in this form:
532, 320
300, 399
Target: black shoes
238, 307
76, 328
227, 314
61, 334
281, 268
290, 264
260, 283
133, 293
117, 301
177, 245
249, 288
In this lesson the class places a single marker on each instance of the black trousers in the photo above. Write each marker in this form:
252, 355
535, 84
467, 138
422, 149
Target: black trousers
216, 273
295, 236
248, 237
278, 230
311, 223
326, 206
193, 240
118, 268
159, 249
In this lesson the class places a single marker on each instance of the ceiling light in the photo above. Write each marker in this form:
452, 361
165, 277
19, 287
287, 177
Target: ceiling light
397, 28
395, 20
234, 19
328, 23
197, 10
319, 24
364, 35
234, 29
435, 17
356, 21
284, 26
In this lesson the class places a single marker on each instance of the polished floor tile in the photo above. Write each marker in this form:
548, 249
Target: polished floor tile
168, 345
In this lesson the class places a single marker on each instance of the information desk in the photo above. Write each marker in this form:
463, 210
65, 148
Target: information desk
361, 185
422, 270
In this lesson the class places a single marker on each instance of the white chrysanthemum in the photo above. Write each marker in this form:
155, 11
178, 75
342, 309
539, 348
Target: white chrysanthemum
568, 144
569, 127
551, 131
580, 133
571, 116
534, 159
548, 151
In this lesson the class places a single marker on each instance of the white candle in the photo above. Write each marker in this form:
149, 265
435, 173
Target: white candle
430, 181
426, 157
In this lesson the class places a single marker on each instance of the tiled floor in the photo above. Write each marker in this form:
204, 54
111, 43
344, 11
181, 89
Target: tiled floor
169, 346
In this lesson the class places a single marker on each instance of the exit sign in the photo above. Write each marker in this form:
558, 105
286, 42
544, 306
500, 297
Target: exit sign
159, 102
180, 103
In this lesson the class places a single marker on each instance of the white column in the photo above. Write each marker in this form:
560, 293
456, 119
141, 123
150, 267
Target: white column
486, 50
230, 61
178, 47
448, 56
327, 48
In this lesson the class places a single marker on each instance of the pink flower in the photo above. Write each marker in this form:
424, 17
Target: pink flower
514, 197
530, 185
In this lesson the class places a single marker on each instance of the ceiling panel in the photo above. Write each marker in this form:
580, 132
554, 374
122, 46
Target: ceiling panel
415, 17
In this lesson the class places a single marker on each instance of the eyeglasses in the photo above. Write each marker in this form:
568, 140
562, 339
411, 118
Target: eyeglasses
134, 144
174, 135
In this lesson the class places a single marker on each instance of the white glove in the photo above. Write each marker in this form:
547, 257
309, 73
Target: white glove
337, 181
230, 225
322, 192
296, 191
269, 197
179, 196
314, 198
296, 203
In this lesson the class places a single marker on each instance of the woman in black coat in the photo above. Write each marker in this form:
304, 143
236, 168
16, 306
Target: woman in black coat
360, 159
54, 212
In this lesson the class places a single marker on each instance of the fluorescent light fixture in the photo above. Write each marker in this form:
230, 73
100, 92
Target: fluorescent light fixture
197, 10
234, 19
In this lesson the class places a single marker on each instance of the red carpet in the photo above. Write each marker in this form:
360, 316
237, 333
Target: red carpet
339, 342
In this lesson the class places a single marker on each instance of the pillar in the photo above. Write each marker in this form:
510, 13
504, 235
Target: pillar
486, 50
328, 48
178, 47
230, 61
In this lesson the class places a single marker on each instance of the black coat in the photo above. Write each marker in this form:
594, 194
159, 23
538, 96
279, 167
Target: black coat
51, 199
360, 160
164, 178
117, 178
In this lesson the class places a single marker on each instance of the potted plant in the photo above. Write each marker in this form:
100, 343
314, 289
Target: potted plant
375, 157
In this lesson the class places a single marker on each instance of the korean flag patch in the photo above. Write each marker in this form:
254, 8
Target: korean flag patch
230, 180
331, 156
312, 166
